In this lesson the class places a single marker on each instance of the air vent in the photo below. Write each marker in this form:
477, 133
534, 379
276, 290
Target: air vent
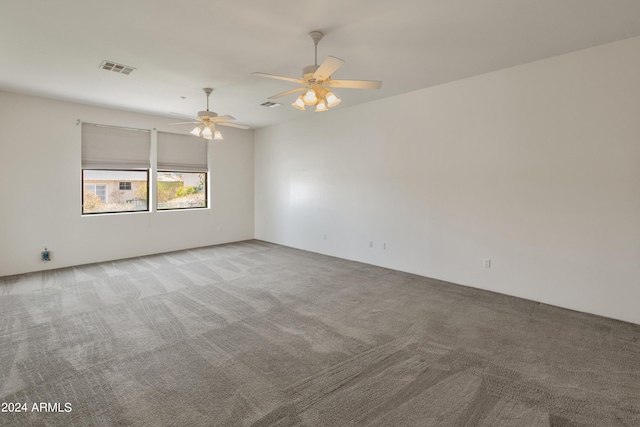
270, 104
118, 68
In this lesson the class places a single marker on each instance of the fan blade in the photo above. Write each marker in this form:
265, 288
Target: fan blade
232, 125
289, 92
184, 115
222, 118
183, 123
327, 68
273, 76
354, 84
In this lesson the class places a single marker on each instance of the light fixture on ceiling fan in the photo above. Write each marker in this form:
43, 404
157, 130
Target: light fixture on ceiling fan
317, 82
207, 121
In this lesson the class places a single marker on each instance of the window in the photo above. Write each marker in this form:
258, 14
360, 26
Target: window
115, 169
182, 172
180, 190
100, 190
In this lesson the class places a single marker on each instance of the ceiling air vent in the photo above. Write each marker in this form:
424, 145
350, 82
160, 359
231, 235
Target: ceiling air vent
270, 104
118, 68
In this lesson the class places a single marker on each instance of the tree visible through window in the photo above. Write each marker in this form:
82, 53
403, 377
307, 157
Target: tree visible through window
182, 190
100, 191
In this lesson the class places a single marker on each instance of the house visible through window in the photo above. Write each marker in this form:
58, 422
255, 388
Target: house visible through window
125, 186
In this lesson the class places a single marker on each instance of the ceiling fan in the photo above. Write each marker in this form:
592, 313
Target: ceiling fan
316, 81
208, 120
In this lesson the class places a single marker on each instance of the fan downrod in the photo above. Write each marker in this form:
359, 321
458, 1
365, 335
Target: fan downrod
207, 113
316, 36
208, 91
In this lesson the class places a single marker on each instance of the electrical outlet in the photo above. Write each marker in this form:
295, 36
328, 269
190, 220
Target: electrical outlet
45, 255
486, 263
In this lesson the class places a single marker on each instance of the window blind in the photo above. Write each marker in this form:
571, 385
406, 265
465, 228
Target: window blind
107, 147
181, 153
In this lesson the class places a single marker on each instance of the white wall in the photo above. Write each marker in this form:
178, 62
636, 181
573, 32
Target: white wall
40, 184
536, 167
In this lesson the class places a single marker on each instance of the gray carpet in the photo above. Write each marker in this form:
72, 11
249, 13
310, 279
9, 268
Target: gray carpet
257, 334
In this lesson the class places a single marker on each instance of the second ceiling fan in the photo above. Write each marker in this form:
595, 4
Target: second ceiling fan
316, 82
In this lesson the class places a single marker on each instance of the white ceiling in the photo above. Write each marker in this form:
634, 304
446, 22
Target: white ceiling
54, 48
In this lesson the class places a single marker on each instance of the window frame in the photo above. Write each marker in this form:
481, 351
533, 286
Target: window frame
148, 176
206, 191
